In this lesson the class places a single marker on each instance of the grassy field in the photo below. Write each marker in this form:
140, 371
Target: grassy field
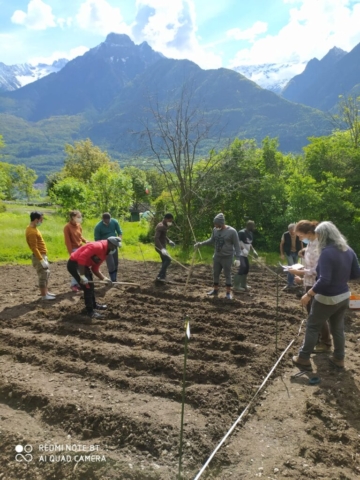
14, 249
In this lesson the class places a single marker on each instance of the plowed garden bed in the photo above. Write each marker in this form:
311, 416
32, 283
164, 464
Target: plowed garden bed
114, 384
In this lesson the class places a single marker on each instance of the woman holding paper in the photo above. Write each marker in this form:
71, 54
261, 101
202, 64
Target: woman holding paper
337, 264
305, 230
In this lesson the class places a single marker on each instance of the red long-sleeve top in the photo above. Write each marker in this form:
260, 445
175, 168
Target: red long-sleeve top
91, 255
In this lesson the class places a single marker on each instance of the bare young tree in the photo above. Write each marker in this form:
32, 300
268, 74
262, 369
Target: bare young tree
175, 133
349, 117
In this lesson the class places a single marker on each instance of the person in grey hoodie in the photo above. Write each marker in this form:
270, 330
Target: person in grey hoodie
226, 240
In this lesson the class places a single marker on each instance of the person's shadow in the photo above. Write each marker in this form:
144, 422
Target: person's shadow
15, 311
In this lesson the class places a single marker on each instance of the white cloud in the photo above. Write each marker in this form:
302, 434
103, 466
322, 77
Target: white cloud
100, 17
39, 16
64, 22
314, 27
170, 28
250, 33
73, 53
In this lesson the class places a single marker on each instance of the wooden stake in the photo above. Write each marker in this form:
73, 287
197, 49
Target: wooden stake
191, 269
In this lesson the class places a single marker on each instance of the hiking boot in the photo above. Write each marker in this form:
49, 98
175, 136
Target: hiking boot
159, 279
99, 306
302, 363
229, 296
213, 293
322, 347
94, 314
337, 362
48, 297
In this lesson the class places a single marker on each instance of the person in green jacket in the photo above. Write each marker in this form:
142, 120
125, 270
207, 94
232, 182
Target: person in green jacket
109, 227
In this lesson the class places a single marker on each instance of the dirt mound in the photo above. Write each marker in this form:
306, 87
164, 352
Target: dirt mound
112, 387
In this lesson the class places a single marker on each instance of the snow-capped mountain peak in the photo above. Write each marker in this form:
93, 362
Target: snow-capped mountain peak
272, 76
13, 77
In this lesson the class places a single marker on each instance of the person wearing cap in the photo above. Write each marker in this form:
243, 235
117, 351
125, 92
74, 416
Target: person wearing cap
226, 240
86, 261
39, 254
161, 241
74, 239
109, 227
246, 238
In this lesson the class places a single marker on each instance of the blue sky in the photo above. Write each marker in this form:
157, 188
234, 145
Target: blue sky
213, 33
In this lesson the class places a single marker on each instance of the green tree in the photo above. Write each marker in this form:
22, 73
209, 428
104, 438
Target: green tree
111, 191
83, 159
17, 181
156, 183
24, 179
70, 193
139, 184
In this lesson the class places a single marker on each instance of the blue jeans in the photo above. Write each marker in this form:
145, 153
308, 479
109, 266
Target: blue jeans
292, 258
164, 265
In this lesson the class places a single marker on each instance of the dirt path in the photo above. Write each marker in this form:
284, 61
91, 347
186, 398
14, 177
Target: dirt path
112, 387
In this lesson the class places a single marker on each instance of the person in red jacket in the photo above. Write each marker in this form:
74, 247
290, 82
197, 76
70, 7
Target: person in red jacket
86, 261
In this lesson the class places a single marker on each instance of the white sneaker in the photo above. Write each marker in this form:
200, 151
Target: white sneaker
51, 294
48, 297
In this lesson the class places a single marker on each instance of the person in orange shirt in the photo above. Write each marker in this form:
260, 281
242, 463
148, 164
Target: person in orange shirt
39, 254
74, 240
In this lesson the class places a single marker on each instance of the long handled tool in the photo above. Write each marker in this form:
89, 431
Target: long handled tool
192, 231
173, 259
265, 266
191, 269
115, 283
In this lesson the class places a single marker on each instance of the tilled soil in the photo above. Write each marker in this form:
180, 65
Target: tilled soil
107, 393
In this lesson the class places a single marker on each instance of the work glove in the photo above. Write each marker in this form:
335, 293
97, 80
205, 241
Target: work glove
237, 263
44, 264
164, 252
83, 280
171, 243
108, 281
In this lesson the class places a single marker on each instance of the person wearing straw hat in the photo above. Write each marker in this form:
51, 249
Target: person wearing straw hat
86, 261
226, 240
161, 241
246, 239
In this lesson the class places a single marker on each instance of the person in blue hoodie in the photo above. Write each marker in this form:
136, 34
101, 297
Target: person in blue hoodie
330, 294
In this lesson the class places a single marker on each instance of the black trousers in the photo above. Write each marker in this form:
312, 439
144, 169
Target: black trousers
89, 292
244, 266
165, 263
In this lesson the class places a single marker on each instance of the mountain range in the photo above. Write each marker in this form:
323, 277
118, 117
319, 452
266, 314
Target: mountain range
104, 95
16, 76
323, 81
